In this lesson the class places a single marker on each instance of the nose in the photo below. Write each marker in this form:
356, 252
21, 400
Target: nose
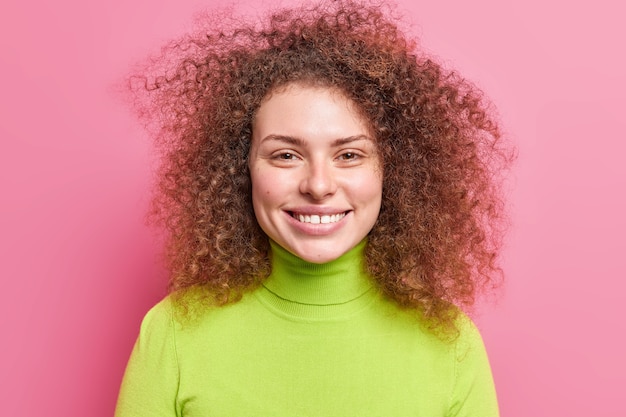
318, 180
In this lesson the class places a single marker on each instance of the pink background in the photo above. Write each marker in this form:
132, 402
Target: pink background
76, 261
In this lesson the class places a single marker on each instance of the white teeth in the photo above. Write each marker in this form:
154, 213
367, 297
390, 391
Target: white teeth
319, 219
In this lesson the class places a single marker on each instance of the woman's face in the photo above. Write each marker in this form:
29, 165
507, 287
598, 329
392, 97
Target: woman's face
316, 174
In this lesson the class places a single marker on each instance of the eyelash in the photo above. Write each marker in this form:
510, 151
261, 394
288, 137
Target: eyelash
285, 156
290, 156
349, 156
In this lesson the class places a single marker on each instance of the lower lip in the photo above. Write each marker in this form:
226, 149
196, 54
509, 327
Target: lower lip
320, 229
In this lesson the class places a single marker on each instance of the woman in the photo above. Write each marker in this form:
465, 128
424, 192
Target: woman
330, 199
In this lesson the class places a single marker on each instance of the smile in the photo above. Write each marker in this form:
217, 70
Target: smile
318, 218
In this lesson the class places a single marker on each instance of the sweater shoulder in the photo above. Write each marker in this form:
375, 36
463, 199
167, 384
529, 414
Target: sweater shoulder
469, 337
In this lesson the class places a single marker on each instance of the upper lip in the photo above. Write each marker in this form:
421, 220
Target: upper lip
321, 210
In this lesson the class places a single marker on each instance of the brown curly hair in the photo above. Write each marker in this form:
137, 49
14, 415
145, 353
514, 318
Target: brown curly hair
439, 230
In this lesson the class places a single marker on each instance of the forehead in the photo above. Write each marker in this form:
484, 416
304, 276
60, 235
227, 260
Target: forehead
309, 110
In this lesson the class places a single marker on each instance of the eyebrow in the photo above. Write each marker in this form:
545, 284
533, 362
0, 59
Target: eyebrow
300, 142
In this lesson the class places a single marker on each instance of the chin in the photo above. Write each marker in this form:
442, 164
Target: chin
319, 256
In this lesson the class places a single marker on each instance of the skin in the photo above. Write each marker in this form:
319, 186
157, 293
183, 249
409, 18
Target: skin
316, 174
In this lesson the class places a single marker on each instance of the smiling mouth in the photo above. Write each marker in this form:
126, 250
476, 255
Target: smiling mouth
318, 218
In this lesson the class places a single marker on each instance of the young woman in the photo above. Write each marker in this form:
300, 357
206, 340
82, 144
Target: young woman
331, 201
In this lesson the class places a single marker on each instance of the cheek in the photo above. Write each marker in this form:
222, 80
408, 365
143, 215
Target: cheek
369, 186
264, 190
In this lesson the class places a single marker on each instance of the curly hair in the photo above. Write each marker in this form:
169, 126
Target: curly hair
436, 240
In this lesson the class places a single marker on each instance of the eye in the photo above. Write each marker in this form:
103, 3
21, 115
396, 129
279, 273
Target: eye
348, 156
285, 157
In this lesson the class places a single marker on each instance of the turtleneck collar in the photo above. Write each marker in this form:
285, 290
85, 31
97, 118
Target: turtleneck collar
308, 290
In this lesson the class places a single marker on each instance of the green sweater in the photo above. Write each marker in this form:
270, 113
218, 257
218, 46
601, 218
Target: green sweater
314, 340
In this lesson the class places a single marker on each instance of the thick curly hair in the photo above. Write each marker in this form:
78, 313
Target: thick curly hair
438, 234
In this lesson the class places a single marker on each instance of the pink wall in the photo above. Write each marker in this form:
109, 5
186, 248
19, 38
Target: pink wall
76, 262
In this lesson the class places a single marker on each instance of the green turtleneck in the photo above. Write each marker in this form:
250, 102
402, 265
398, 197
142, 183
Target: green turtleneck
300, 290
314, 340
